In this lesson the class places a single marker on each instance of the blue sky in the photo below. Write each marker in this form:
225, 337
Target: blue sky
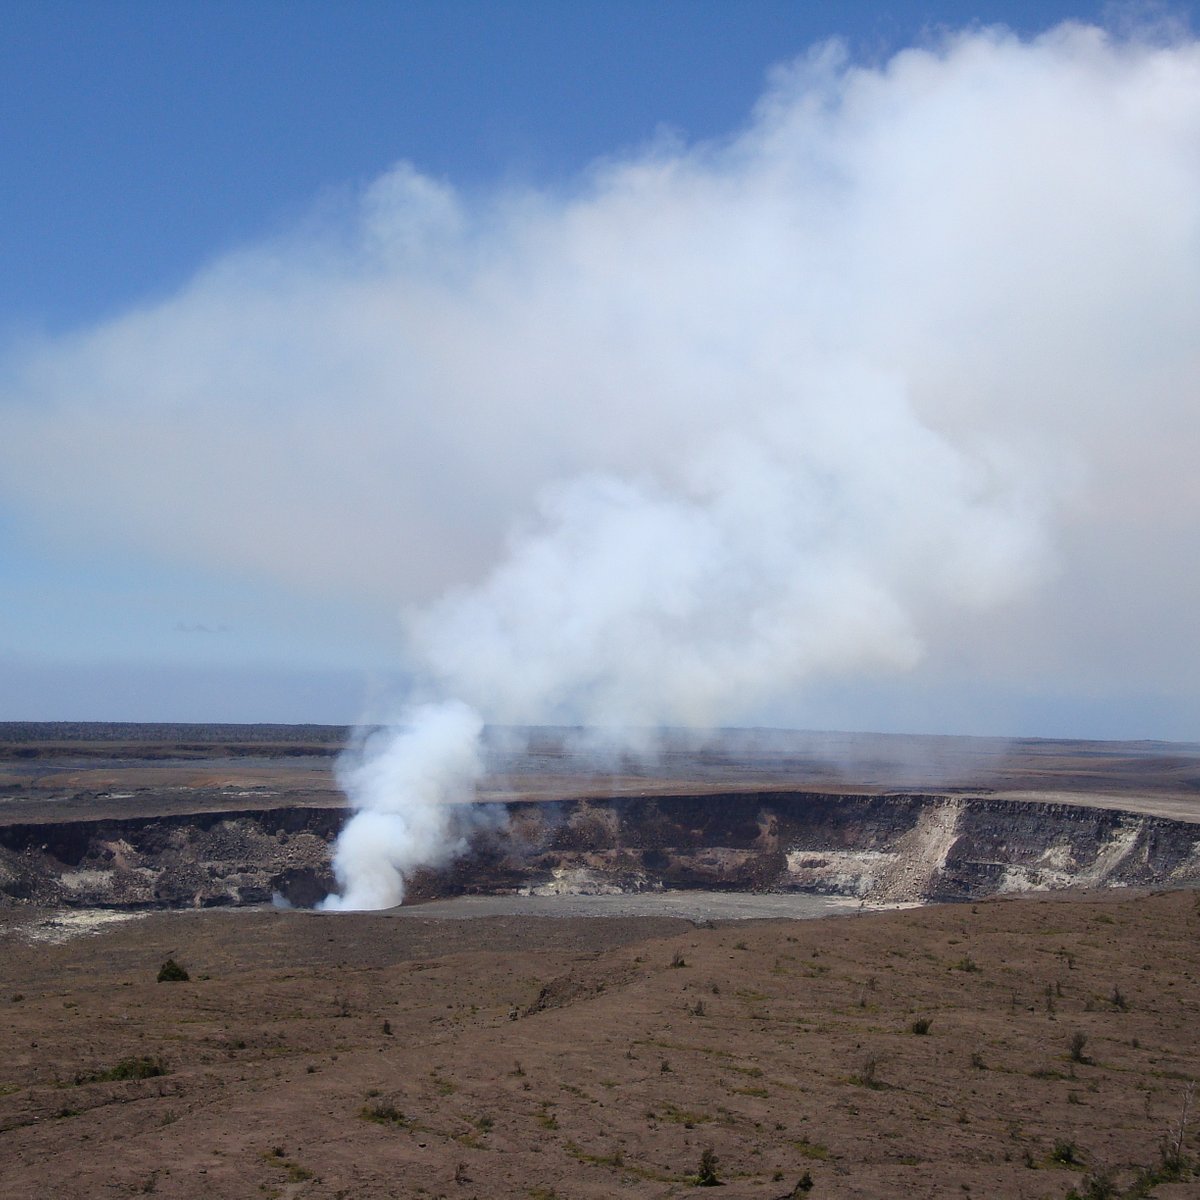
140, 140
148, 146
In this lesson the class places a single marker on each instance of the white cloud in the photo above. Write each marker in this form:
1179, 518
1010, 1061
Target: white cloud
918, 341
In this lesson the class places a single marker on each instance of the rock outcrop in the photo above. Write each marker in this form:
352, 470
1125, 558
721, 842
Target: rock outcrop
182, 860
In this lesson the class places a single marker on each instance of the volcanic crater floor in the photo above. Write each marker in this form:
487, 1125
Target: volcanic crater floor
1010, 1048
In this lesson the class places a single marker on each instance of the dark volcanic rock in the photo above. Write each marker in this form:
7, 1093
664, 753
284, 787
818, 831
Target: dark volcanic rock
184, 860
304, 887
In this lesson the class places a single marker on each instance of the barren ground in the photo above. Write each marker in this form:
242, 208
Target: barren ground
399, 1055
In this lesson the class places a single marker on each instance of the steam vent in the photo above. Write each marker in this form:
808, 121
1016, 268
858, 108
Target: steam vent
137, 816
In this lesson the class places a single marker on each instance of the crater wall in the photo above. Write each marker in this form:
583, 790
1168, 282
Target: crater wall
893, 847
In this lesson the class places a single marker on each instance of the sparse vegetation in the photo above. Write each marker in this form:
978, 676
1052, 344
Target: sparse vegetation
1098, 1185
172, 972
813, 1150
921, 1026
1171, 1150
707, 1175
127, 1068
869, 985
382, 1112
1065, 1153
868, 1076
295, 1172
688, 1118
1076, 1047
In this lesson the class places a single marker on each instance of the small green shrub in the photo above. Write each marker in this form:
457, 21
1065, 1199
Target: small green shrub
1098, 1186
707, 1175
1065, 1153
804, 1185
382, 1112
1076, 1046
172, 972
127, 1068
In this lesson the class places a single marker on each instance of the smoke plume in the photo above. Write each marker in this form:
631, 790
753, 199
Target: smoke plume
898, 377
405, 785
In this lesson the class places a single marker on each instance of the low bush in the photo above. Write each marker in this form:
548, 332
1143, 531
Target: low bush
382, 1112
1076, 1046
127, 1068
707, 1175
1065, 1153
172, 972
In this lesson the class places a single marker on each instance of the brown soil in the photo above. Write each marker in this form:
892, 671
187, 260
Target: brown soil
374, 1055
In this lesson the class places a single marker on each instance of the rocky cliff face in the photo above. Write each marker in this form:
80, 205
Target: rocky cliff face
882, 848
185, 860
905, 847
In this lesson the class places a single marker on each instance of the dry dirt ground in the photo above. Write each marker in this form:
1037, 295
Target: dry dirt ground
398, 1055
